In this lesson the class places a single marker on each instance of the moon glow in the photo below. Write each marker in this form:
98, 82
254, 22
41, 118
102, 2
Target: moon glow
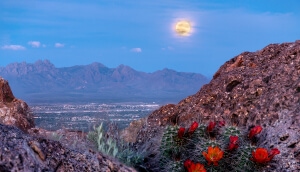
183, 28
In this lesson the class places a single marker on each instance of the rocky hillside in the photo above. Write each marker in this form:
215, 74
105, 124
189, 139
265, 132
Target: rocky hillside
253, 88
43, 82
24, 152
12, 110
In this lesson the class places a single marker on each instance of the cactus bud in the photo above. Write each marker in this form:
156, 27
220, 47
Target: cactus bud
254, 131
193, 127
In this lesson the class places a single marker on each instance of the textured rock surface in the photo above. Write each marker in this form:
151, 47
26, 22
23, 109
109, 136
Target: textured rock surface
21, 152
71, 139
13, 111
253, 88
130, 134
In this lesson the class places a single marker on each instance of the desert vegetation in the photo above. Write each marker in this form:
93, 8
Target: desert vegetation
199, 148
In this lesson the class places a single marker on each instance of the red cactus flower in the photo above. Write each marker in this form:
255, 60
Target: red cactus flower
181, 132
193, 127
273, 152
233, 143
261, 155
211, 126
187, 163
221, 123
197, 168
213, 155
194, 167
254, 131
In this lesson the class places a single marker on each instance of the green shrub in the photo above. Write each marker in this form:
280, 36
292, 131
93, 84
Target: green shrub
114, 146
103, 143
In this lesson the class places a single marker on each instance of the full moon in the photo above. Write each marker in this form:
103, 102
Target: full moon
183, 28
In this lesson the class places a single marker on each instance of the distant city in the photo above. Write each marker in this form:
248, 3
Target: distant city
83, 117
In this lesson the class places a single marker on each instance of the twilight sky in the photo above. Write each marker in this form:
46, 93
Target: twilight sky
140, 33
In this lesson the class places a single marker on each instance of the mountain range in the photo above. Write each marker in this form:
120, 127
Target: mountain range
42, 82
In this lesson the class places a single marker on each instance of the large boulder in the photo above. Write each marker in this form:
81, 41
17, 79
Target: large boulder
253, 88
12, 110
22, 152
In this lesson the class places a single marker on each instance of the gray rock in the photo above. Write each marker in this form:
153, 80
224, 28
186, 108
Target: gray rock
22, 152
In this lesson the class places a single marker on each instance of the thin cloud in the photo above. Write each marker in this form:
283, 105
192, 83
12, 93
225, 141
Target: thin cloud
59, 45
35, 44
13, 47
167, 48
136, 50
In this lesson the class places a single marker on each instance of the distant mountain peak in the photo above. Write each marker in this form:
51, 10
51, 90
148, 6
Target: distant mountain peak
97, 64
23, 68
168, 70
121, 66
125, 69
45, 63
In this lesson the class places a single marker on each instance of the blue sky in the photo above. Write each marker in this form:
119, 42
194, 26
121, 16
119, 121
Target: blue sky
141, 34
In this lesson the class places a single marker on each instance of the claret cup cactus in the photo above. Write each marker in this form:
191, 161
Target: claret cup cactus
213, 147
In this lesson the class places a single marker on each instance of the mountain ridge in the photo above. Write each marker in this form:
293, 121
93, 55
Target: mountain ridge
42, 81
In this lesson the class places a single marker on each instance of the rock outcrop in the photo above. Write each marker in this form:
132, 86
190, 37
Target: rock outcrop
253, 88
12, 110
22, 152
